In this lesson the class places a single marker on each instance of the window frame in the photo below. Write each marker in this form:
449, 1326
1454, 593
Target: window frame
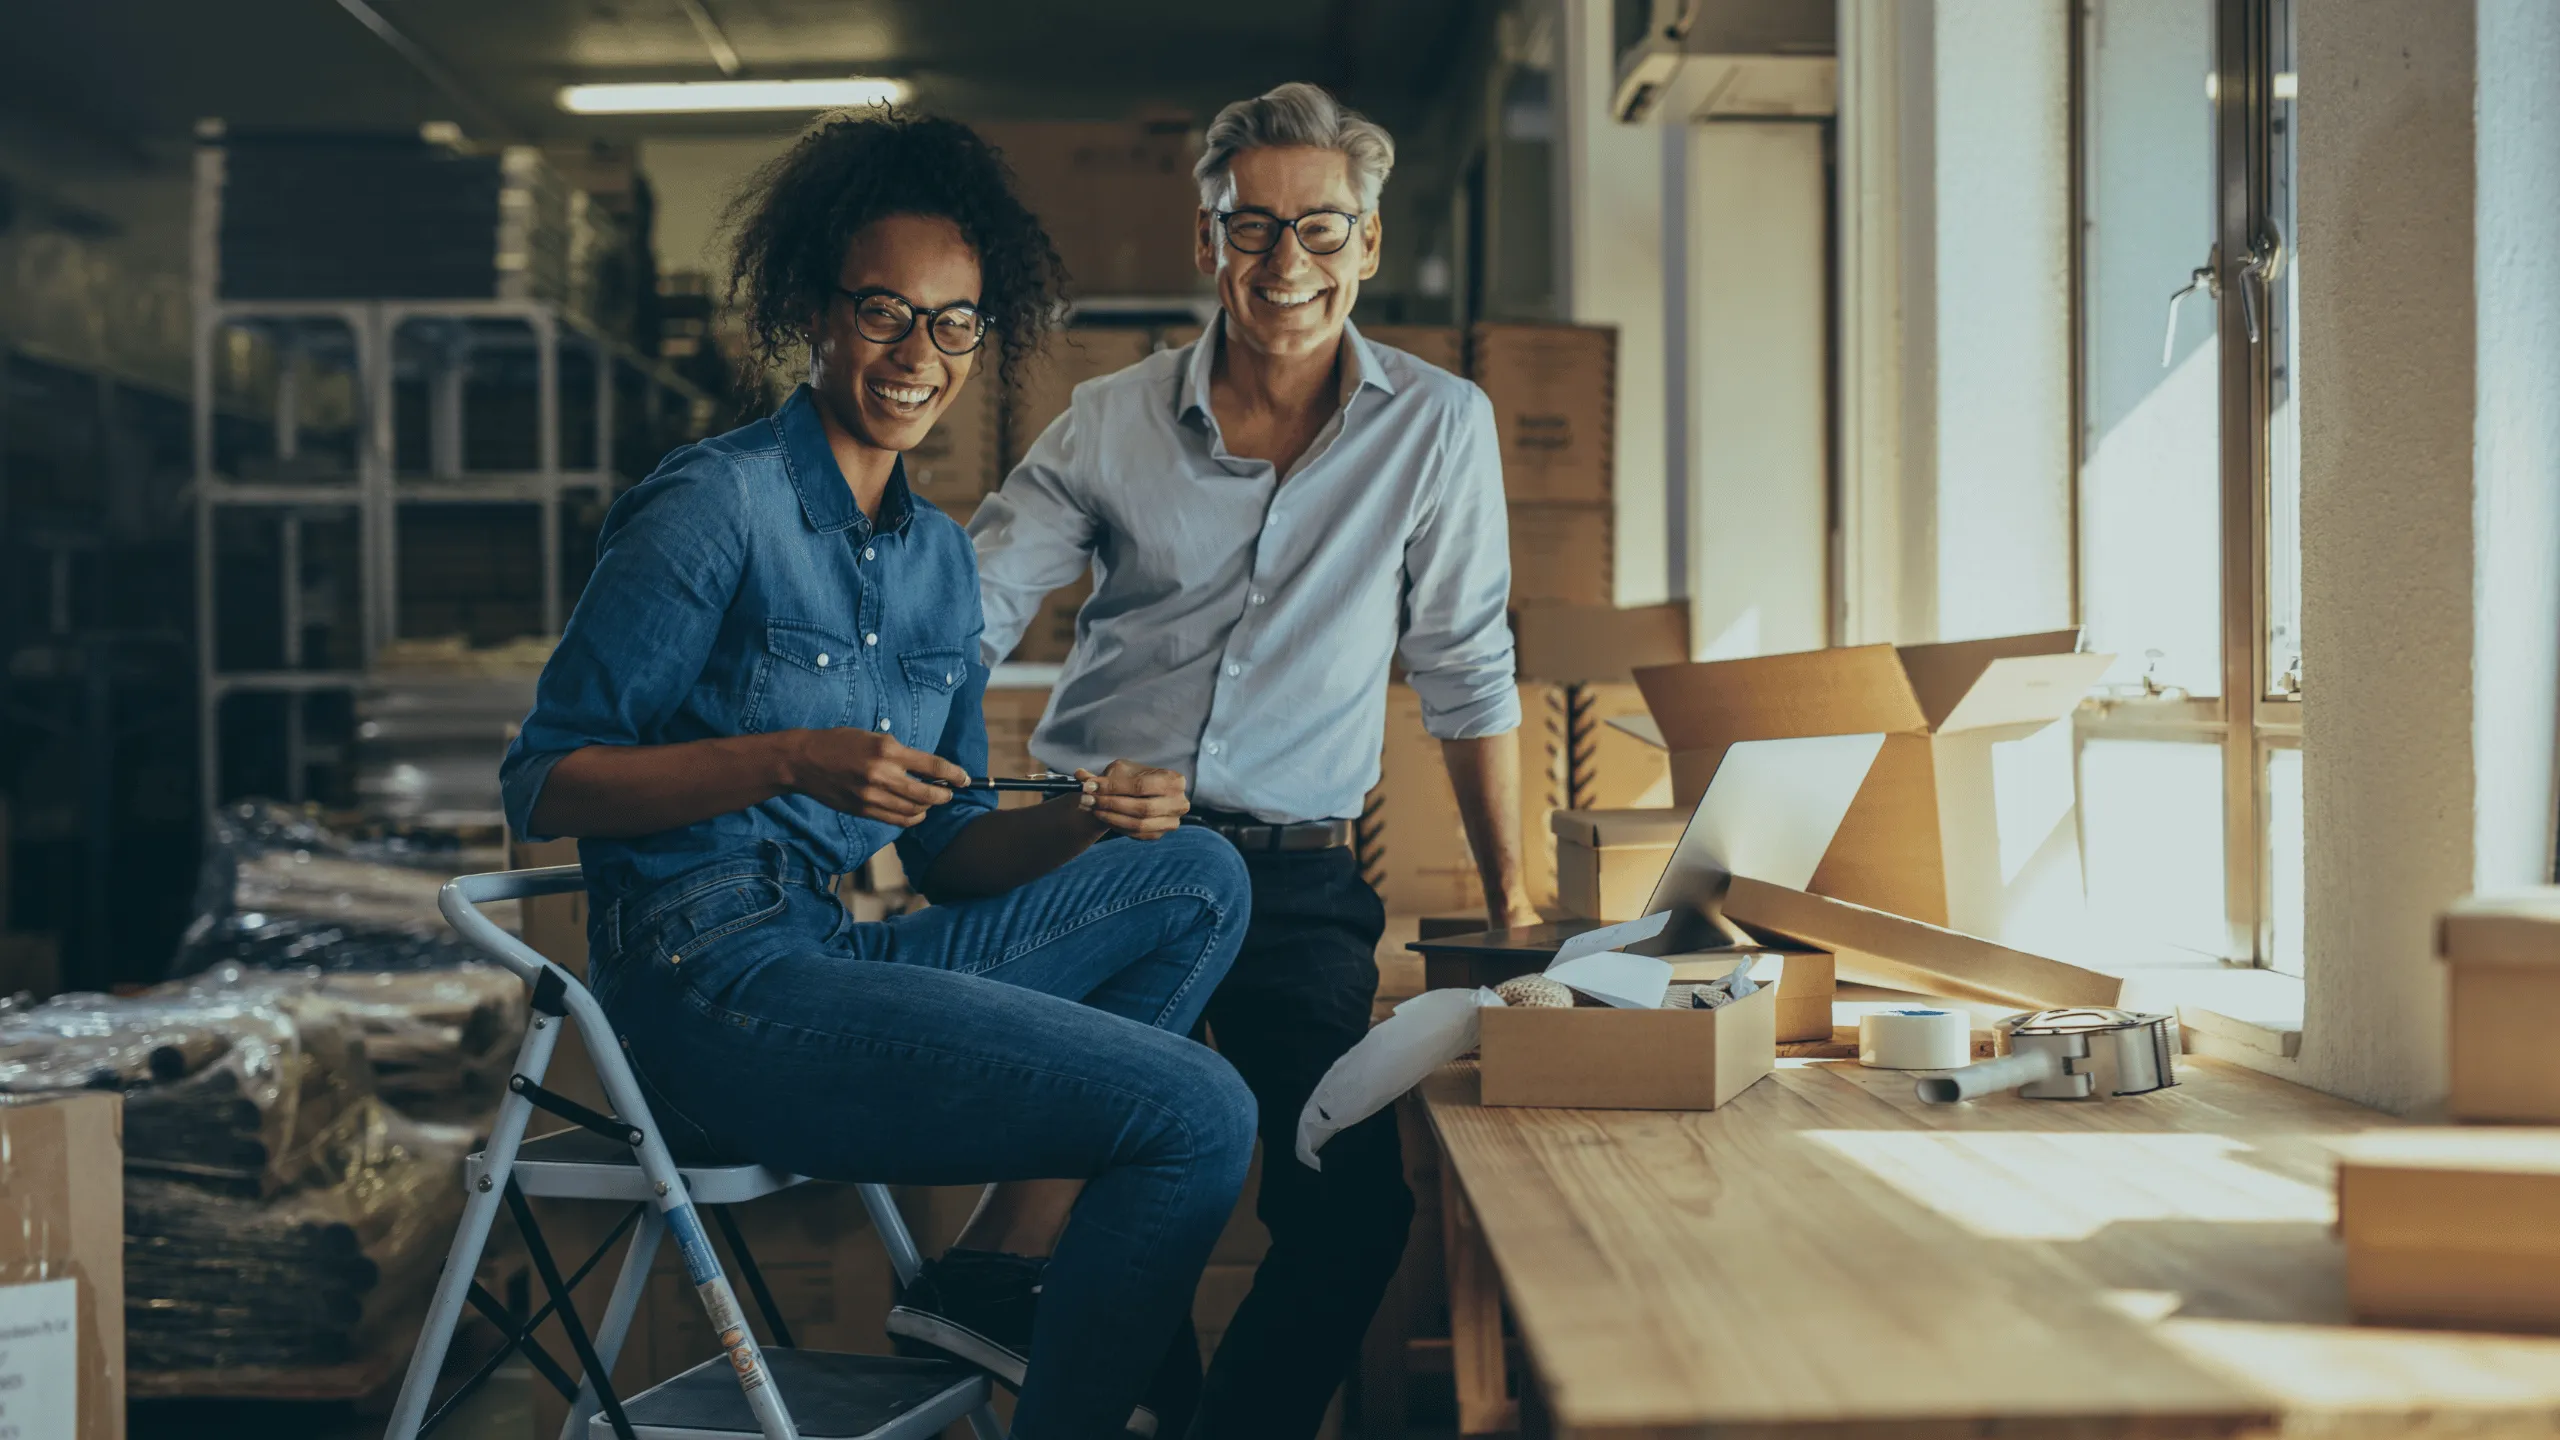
2247, 720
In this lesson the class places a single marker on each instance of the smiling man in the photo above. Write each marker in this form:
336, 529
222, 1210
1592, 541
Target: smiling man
1272, 515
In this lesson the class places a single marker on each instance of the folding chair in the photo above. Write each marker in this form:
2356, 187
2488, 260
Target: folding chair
621, 1156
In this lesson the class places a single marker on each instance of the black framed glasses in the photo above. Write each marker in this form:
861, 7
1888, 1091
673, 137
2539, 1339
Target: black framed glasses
1320, 232
885, 317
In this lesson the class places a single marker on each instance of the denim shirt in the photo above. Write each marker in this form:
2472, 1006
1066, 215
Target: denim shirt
739, 590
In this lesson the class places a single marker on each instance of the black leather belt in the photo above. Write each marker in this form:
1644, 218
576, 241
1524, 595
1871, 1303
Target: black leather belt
1249, 834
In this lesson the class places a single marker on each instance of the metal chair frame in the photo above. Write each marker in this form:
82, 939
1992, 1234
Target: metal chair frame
665, 1199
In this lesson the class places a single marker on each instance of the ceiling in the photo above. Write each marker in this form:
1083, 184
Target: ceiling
122, 82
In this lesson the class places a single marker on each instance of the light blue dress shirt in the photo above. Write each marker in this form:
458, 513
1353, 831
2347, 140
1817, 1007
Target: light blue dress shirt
1242, 622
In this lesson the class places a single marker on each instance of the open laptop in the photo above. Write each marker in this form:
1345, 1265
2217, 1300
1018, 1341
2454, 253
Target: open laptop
1769, 814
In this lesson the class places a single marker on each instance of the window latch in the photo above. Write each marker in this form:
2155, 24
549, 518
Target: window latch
2265, 258
2207, 278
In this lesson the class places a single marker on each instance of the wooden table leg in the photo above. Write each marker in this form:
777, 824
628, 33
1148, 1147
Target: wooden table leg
1485, 1406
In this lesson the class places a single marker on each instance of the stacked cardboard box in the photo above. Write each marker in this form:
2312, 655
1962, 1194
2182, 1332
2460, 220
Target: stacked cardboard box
2453, 1227
62, 1268
1554, 392
1116, 197
1412, 842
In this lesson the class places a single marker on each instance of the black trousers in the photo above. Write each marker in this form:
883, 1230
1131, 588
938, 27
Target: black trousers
1297, 997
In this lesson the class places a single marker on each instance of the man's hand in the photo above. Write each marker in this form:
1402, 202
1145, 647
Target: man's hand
1134, 799
864, 773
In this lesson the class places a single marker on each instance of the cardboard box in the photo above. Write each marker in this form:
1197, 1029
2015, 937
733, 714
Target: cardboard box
1907, 954
1555, 396
962, 457
1606, 768
2452, 1227
1596, 644
1563, 554
1609, 1059
1116, 197
1442, 345
1967, 819
2503, 1004
1608, 861
1074, 356
62, 1225
1413, 845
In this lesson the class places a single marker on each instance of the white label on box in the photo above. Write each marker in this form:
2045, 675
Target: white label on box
40, 1361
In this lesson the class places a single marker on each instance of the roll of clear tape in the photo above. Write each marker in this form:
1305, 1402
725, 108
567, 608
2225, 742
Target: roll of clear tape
1915, 1039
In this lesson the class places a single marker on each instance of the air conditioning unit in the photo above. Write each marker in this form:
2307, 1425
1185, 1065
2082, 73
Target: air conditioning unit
1685, 60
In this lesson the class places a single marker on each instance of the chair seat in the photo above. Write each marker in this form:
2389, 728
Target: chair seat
577, 1164
831, 1397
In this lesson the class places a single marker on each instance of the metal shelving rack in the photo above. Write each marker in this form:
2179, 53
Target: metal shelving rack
369, 338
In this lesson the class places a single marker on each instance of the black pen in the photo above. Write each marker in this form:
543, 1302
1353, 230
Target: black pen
1056, 785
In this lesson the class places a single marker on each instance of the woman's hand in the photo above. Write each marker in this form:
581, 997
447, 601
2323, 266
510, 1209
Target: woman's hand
864, 773
1136, 800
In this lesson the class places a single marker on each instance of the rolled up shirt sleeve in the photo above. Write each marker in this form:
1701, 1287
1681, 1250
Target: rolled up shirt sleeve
668, 561
1456, 644
1031, 537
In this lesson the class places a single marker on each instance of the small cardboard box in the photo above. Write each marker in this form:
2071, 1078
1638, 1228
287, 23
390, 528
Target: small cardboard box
2452, 1227
1967, 819
1563, 554
1555, 397
961, 458
62, 1224
1608, 861
1610, 1059
2503, 954
1442, 345
1412, 842
1073, 357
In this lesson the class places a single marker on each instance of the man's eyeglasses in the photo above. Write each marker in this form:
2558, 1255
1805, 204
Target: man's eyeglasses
1320, 232
885, 317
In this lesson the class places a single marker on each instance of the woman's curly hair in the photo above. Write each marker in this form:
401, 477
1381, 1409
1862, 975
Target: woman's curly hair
793, 219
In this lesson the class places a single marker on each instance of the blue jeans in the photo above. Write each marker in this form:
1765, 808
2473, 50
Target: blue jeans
1043, 1033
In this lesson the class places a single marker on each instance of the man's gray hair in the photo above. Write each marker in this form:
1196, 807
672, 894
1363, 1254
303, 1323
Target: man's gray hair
1298, 114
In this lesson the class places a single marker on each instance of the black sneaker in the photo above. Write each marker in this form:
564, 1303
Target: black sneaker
976, 1307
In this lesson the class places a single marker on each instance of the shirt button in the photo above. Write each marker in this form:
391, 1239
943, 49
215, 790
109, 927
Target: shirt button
1211, 747
866, 552
1257, 597
1235, 669
822, 659
872, 639
884, 724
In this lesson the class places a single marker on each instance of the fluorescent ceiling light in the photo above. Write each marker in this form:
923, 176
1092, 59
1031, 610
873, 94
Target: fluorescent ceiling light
657, 98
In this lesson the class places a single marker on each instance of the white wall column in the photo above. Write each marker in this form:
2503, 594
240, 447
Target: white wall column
2516, 591
1609, 233
1870, 330
2392, 551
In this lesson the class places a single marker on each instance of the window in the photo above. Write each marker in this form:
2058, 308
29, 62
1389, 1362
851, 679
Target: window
2188, 475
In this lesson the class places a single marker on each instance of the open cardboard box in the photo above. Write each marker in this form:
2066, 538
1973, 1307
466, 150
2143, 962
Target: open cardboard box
1966, 821
1607, 1059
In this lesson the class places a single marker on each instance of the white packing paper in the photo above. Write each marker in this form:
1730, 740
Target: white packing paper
1614, 977
1425, 1033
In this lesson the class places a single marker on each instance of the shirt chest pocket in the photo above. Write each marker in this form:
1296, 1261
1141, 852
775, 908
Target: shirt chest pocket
804, 679
933, 676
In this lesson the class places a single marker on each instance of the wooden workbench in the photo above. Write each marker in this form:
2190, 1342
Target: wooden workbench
1825, 1256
